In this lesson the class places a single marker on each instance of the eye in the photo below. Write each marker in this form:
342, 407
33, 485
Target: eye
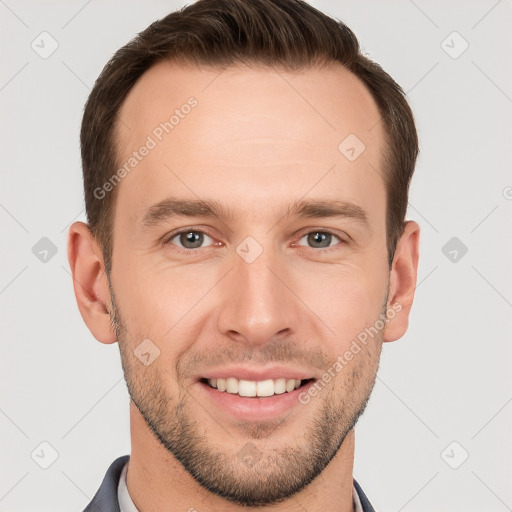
190, 239
321, 239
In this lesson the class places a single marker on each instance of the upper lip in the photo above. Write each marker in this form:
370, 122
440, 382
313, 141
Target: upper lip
257, 374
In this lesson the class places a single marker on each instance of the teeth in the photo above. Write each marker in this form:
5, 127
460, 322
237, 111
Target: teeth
290, 385
279, 386
247, 388
232, 385
252, 388
263, 388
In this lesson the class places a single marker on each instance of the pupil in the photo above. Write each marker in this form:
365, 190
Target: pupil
192, 239
323, 239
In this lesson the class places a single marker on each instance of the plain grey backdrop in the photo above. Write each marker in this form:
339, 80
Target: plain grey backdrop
437, 431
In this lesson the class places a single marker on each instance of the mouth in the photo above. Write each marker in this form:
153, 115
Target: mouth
254, 401
256, 389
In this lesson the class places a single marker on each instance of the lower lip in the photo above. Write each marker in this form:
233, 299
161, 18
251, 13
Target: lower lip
254, 408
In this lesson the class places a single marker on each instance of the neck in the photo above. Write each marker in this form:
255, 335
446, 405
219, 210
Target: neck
157, 481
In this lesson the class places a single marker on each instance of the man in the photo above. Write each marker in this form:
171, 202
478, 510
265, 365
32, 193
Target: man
246, 174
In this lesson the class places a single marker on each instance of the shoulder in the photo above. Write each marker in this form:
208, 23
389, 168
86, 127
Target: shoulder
365, 502
105, 500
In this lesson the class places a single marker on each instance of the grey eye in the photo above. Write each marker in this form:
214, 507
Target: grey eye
190, 239
320, 239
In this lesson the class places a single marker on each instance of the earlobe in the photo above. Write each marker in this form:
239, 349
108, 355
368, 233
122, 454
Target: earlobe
90, 282
403, 278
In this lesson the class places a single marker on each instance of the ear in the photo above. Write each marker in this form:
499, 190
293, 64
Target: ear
402, 285
90, 282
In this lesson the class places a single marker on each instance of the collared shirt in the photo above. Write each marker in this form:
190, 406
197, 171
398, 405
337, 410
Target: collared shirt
126, 504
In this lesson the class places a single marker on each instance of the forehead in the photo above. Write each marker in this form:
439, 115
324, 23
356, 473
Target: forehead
274, 130
329, 101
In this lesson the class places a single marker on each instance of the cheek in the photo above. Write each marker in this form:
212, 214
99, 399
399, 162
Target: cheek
346, 299
162, 303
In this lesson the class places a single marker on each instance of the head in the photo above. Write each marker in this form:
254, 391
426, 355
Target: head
246, 174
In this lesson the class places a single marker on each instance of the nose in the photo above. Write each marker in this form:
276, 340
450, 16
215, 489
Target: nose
257, 302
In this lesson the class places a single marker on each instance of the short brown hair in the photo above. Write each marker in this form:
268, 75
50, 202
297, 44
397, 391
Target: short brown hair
289, 34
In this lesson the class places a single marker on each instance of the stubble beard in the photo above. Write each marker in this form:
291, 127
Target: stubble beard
270, 476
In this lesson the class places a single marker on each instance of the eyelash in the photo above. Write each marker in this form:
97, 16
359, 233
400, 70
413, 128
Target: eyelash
167, 240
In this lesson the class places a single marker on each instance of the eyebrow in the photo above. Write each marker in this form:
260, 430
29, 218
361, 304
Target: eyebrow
173, 207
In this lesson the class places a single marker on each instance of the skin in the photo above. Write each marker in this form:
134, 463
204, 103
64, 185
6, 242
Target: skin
257, 141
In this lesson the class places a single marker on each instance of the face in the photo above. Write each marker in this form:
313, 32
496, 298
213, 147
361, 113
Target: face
251, 252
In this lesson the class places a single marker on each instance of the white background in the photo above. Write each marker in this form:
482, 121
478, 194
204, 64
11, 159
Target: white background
447, 380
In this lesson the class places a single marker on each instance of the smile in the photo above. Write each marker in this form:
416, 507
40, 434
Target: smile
251, 388
253, 400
